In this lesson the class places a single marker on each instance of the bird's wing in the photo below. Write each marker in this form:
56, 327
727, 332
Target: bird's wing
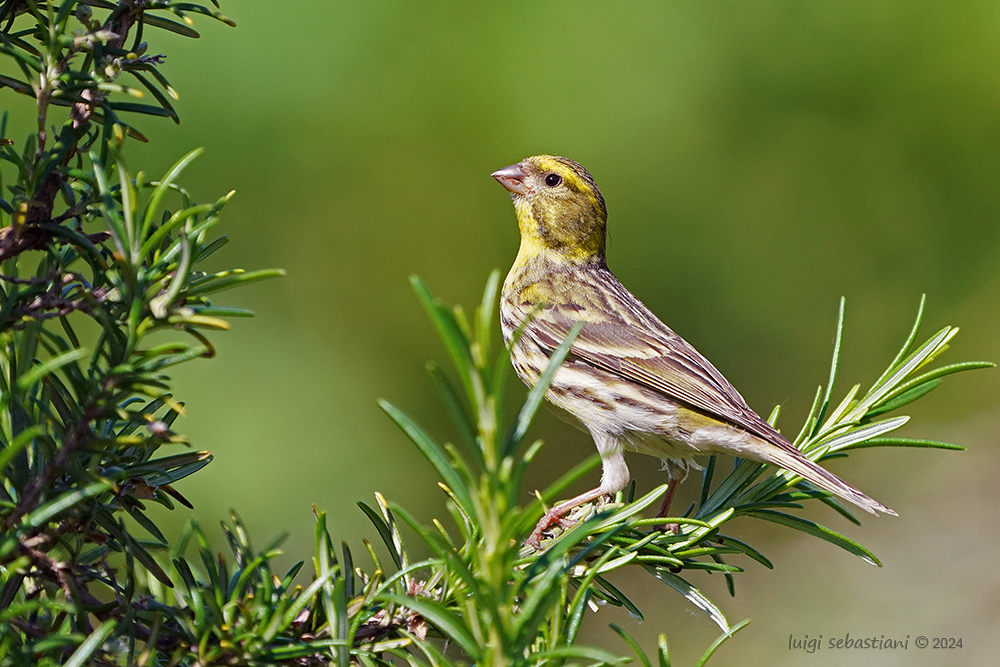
623, 337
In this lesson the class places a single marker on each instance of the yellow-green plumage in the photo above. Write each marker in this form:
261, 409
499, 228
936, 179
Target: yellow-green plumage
631, 381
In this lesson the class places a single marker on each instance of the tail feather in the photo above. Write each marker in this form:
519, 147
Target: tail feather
792, 459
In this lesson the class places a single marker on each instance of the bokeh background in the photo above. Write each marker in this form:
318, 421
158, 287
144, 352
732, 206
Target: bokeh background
759, 159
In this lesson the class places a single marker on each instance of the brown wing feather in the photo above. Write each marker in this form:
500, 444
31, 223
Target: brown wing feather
624, 337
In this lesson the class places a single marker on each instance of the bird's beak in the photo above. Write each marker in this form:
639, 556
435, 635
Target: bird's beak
512, 178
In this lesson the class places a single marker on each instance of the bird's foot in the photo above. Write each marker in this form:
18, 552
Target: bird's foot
674, 528
558, 516
549, 520
665, 507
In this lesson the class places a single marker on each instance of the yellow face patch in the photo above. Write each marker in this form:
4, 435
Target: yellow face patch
561, 212
575, 177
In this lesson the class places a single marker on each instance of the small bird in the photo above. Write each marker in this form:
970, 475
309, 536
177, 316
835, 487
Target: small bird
629, 379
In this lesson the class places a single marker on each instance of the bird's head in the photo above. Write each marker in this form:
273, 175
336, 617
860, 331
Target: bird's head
560, 210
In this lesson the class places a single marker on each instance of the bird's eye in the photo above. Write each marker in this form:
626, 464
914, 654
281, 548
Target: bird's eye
552, 180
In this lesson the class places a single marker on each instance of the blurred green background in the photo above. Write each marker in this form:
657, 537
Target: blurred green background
759, 160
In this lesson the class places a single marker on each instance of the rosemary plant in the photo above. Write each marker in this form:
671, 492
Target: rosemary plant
95, 258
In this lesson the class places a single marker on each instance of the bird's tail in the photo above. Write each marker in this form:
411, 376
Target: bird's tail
790, 458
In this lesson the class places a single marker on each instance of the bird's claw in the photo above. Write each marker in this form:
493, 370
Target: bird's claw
548, 520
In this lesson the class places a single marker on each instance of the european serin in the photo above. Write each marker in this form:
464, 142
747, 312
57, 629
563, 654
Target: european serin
633, 383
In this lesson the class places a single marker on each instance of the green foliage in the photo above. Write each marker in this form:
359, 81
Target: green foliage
507, 604
500, 602
89, 327
92, 321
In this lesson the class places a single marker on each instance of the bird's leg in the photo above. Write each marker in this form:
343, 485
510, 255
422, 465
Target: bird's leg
557, 514
665, 507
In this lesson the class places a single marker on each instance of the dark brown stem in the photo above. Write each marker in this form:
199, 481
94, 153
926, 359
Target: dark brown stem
44, 200
74, 438
32, 238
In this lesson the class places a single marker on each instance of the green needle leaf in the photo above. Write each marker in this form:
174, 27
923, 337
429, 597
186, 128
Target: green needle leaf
431, 451
720, 641
816, 530
599, 656
81, 655
448, 623
55, 363
694, 596
64, 502
633, 644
